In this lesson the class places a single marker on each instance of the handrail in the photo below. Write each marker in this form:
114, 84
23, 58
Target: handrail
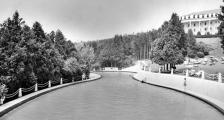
41, 85
33, 88
28, 89
12, 94
55, 82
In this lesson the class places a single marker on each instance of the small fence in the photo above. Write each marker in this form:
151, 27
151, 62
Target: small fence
198, 74
37, 86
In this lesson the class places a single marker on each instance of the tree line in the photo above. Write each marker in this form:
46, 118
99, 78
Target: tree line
168, 45
29, 55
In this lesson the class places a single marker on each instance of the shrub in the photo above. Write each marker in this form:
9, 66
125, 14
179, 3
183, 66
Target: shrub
208, 33
200, 54
191, 55
199, 33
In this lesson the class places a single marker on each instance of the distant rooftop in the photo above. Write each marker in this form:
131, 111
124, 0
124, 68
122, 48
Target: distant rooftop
204, 12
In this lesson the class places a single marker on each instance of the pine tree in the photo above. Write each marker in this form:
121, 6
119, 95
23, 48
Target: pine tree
60, 42
39, 32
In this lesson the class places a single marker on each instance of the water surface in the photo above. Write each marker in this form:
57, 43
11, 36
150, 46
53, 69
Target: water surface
115, 97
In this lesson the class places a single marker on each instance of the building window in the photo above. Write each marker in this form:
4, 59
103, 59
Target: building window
189, 17
188, 25
207, 15
193, 16
212, 15
202, 16
198, 16
205, 29
194, 24
184, 17
205, 23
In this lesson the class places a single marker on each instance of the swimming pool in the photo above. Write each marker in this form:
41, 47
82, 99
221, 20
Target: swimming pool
115, 97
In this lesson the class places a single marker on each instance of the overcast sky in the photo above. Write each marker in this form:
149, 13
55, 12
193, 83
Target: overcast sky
82, 20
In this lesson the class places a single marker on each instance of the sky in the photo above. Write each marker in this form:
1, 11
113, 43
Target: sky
83, 20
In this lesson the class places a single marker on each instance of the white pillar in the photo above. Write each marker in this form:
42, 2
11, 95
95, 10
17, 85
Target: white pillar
202, 74
36, 87
209, 25
187, 73
49, 83
83, 76
199, 26
168, 65
2, 100
171, 71
20, 92
61, 81
220, 77
190, 24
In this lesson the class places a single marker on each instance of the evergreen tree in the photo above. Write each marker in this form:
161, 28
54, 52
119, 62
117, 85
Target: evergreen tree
221, 26
60, 42
39, 32
191, 41
169, 47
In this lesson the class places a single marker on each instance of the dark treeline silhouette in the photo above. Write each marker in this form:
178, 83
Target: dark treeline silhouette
29, 55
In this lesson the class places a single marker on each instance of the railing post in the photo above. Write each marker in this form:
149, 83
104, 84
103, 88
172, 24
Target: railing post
187, 73
83, 76
49, 83
220, 77
20, 92
171, 71
36, 87
61, 81
159, 69
202, 74
2, 100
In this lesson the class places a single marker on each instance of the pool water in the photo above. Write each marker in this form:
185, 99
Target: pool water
114, 97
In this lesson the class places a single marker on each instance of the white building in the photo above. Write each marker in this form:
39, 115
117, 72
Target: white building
205, 22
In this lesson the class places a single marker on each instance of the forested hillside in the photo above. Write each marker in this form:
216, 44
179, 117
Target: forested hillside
166, 45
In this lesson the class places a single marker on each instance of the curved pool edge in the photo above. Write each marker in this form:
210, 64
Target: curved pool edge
219, 106
7, 107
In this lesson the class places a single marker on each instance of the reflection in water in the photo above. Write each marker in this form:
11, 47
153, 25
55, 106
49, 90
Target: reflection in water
115, 97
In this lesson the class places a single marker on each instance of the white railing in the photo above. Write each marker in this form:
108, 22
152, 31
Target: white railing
35, 87
12, 94
28, 89
200, 74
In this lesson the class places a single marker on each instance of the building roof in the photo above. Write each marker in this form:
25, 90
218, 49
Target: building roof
205, 12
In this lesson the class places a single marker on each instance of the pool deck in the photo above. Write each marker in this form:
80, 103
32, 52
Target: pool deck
5, 108
217, 104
